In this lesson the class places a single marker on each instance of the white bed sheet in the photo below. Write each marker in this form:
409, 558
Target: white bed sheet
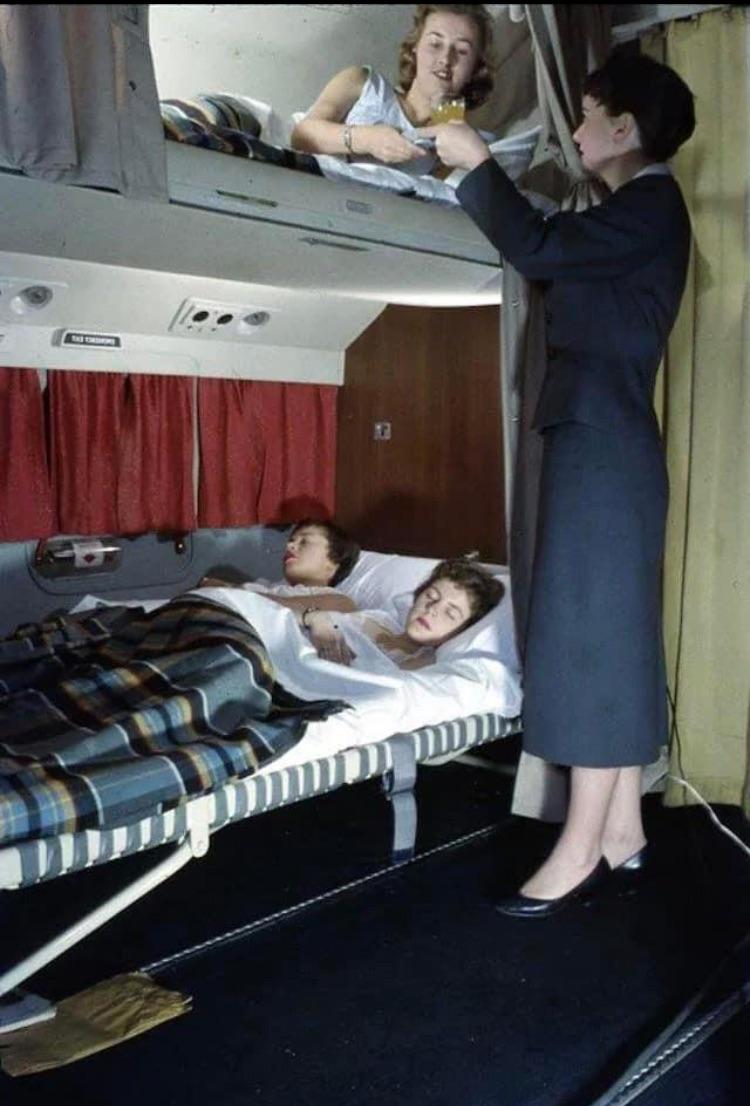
383, 698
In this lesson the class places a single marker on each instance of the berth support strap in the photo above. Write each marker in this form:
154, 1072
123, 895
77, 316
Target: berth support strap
398, 785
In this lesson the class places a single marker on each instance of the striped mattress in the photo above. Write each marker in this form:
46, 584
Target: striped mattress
30, 862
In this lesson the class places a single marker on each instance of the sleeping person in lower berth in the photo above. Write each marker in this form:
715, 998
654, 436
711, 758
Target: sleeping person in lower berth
455, 595
443, 65
317, 557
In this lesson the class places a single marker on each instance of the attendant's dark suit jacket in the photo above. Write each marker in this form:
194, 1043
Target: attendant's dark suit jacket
614, 278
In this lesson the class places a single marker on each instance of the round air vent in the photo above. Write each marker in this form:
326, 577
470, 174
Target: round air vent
31, 298
211, 319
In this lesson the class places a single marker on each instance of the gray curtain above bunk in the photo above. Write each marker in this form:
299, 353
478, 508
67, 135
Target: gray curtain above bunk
78, 99
565, 47
567, 42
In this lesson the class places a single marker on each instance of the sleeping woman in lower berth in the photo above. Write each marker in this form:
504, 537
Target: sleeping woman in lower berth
455, 595
318, 556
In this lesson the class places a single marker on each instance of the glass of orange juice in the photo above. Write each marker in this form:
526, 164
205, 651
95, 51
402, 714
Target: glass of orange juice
448, 109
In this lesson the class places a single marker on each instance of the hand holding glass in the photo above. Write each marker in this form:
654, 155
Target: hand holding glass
448, 109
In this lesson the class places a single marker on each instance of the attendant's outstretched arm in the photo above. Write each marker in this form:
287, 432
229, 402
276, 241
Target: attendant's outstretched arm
601, 243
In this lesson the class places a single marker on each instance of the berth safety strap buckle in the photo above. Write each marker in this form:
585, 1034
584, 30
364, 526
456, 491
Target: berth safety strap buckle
398, 784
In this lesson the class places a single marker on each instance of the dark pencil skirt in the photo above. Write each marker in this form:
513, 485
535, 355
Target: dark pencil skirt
594, 674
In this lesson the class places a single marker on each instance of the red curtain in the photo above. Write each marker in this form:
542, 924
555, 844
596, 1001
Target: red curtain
155, 473
232, 453
121, 453
26, 508
268, 452
299, 474
85, 425
122, 449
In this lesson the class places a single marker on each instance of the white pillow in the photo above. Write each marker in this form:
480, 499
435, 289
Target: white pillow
377, 578
386, 582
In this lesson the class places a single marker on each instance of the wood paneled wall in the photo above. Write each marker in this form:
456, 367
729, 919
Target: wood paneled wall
436, 487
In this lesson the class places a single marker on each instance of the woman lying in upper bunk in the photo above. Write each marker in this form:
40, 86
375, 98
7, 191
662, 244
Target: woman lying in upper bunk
443, 69
318, 556
455, 595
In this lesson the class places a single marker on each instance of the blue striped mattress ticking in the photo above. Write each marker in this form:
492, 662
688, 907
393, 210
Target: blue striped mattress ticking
29, 862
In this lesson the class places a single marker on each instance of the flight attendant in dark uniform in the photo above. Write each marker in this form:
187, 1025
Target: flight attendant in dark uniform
594, 674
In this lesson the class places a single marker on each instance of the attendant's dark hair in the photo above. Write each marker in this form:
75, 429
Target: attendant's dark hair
479, 86
658, 99
342, 550
484, 591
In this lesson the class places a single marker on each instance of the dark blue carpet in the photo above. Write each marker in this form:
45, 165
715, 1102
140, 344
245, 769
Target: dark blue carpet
409, 988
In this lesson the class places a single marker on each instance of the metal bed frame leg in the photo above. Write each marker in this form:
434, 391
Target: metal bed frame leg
398, 785
193, 845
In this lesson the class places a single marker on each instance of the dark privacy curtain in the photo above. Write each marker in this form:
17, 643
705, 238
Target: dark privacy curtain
268, 452
26, 509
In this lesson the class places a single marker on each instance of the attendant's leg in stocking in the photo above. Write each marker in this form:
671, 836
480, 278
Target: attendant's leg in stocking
623, 833
579, 847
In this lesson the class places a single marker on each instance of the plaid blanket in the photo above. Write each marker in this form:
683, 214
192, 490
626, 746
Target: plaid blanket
110, 716
223, 123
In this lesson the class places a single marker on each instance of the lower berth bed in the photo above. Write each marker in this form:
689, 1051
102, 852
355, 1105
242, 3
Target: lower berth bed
351, 745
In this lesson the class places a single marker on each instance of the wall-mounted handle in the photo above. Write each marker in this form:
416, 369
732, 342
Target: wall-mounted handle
76, 556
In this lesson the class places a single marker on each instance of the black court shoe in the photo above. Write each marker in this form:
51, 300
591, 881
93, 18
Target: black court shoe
522, 906
635, 863
628, 878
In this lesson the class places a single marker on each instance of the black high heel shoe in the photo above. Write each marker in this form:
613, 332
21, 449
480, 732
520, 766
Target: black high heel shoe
635, 863
522, 906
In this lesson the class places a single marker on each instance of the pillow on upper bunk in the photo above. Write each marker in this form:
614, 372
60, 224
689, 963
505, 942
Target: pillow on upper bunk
386, 582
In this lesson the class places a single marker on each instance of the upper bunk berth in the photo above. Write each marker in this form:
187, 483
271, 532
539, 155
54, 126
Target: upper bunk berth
250, 221
295, 265
300, 263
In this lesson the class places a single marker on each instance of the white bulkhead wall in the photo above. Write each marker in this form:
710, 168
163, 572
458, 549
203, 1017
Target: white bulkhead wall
282, 54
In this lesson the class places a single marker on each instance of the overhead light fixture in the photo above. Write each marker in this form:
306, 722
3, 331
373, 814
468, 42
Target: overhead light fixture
253, 320
32, 298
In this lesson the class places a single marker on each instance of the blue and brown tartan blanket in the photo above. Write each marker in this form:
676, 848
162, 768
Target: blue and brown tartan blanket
223, 123
116, 714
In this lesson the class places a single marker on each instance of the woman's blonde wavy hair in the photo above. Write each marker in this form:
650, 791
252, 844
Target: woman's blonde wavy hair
477, 90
